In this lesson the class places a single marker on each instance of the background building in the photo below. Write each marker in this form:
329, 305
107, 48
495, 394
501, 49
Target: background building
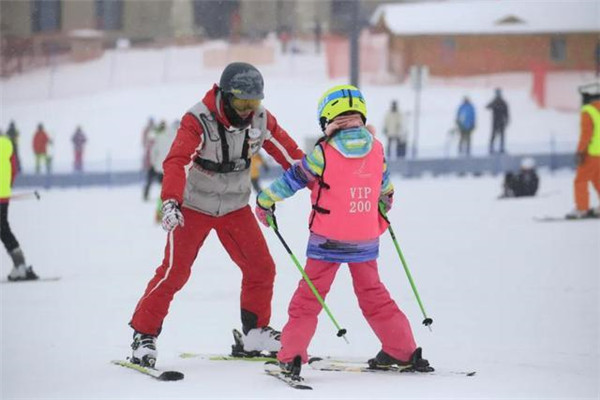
485, 37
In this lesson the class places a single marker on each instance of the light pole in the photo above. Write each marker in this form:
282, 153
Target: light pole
354, 48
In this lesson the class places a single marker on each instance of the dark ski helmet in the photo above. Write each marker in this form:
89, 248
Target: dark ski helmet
243, 81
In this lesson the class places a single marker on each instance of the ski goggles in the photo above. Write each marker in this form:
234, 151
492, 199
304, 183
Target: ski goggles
242, 105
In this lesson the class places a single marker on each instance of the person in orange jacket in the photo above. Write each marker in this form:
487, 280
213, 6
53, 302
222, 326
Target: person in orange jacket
588, 157
41, 140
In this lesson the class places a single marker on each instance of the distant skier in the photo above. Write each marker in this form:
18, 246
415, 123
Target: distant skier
79, 140
160, 148
257, 163
207, 184
588, 157
349, 169
8, 171
147, 138
154, 169
41, 143
13, 134
465, 121
500, 120
394, 130
523, 183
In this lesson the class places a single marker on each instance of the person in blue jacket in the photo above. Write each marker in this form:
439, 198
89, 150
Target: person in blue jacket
465, 121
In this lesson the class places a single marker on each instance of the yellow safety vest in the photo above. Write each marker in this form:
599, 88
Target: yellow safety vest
594, 146
6, 152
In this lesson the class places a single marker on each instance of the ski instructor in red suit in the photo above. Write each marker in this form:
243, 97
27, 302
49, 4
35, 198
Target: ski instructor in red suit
206, 187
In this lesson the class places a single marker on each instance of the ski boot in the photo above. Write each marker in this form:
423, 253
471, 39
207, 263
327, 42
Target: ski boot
581, 214
257, 342
415, 363
292, 369
20, 271
144, 350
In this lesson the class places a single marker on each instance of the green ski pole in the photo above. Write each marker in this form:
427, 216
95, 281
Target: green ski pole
427, 321
341, 332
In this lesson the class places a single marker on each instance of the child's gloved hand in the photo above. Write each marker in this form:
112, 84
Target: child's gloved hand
264, 214
387, 200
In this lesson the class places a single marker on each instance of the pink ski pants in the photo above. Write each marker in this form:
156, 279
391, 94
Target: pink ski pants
381, 312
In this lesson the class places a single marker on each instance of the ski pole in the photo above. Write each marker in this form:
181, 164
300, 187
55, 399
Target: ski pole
273, 224
427, 321
25, 195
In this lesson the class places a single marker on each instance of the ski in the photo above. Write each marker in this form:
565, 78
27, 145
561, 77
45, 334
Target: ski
159, 374
223, 357
272, 369
549, 218
321, 364
237, 352
48, 279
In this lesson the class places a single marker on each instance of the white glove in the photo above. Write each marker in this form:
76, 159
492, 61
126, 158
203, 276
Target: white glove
172, 215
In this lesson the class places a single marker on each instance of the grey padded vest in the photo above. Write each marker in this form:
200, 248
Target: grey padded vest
216, 193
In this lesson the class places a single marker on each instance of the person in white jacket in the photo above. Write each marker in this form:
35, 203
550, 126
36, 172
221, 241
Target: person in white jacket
395, 132
163, 139
160, 145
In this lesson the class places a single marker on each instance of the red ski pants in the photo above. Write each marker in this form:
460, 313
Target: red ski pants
588, 172
381, 312
242, 238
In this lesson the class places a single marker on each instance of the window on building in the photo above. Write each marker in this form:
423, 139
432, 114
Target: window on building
448, 50
45, 15
109, 14
558, 48
216, 18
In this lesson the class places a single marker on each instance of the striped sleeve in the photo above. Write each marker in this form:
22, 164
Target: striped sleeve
300, 175
315, 161
386, 184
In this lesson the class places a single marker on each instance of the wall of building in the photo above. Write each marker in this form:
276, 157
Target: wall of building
483, 54
147, 20
261, 16
79, 14
15, 18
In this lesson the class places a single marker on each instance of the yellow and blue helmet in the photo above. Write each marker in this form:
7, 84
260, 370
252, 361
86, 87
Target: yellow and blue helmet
338, 100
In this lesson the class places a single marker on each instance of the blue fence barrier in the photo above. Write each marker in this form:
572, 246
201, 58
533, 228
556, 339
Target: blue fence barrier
494, 165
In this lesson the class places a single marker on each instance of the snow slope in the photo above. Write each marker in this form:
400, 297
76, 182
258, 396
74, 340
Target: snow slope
514, 299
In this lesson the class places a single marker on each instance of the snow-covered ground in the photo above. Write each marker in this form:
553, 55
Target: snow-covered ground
514, 299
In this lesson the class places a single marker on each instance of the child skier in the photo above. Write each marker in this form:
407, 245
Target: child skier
348, 177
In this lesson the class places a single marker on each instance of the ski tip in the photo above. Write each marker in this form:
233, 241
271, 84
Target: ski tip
171, 376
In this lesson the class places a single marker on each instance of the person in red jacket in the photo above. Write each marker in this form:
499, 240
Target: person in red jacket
8, 171
206, 186
41, 140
